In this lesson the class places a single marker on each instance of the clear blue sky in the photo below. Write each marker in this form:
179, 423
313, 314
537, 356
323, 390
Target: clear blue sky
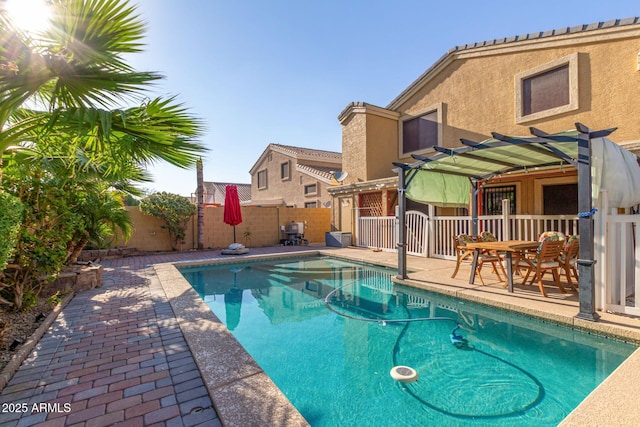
280, 71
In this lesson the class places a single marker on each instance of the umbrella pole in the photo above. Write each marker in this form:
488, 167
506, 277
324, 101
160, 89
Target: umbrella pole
234, 234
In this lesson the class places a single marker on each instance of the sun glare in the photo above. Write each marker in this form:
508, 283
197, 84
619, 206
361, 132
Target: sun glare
31, 16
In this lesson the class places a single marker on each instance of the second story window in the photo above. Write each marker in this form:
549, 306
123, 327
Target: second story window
311, 189
285, 171
421, 132
547, 90
262, 179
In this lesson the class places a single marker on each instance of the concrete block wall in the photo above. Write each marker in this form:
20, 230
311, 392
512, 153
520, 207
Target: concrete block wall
263, 224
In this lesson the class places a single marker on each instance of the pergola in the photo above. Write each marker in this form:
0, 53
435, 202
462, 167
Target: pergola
452, 176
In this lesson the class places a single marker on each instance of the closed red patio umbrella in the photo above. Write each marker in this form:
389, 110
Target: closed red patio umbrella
232, 213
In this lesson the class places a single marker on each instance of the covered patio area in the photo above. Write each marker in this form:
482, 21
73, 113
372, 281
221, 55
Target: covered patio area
453, 178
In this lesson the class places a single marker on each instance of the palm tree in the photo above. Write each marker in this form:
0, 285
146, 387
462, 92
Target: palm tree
70, 79
102, 216
77, 111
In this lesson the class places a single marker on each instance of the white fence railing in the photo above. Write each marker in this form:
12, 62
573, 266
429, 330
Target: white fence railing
377, 232
621, 266
513, 227
616, 244
382, 233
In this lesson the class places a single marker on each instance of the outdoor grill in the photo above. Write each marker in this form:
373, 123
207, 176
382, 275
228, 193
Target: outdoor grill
294, 234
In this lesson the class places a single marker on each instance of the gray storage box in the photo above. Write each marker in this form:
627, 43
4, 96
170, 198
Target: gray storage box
338, 239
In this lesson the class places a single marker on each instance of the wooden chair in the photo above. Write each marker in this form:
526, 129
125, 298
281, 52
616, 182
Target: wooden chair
548, 258
462, 252
568, 259
465, 254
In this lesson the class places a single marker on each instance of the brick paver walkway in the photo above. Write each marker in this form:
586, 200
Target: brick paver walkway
115, 355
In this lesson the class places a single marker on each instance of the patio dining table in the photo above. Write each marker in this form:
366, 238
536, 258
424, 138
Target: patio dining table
506, 246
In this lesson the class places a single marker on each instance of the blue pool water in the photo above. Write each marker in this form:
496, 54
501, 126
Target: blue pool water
333, 362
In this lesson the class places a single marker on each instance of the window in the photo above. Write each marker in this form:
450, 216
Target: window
560, 199
310, 205
262, 179
285, 171
492, 199
547, 90
310, 189
420, 133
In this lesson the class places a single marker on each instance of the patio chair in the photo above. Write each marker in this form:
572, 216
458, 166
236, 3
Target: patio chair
568, 259
547, 259
465, 254
462, 252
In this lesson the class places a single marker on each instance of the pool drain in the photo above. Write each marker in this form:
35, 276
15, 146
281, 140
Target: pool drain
404, 374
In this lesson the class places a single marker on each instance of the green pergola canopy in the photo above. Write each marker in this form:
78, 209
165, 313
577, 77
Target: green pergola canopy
446, 178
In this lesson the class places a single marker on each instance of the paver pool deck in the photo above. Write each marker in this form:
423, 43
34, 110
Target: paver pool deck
137, 352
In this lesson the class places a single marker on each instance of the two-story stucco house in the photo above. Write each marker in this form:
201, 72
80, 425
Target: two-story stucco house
294, 177
549, 80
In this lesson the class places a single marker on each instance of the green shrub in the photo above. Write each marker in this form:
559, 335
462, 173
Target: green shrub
173, 209
10, 220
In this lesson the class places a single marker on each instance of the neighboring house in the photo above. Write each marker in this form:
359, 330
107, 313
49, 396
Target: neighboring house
294, 177
549, 80
215, 192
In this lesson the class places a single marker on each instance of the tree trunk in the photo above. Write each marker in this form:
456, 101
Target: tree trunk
82, 242
200, 196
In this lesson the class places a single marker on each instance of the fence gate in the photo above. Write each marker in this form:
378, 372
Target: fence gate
417, 233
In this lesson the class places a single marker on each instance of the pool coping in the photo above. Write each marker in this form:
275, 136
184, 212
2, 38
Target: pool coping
244, 395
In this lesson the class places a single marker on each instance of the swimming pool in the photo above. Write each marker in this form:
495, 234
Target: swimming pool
333, 362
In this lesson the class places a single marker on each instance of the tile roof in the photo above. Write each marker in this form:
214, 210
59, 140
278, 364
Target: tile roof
320, 171
215, 192
307, 152
300, 154
551, 33
602, 25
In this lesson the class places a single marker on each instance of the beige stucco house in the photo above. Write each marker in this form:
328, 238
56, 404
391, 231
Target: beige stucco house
549, 80
296, 177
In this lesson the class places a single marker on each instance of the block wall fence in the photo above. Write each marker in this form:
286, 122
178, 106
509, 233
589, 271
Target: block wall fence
260, 227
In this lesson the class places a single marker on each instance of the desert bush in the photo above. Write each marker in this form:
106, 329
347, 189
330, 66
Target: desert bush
173, 209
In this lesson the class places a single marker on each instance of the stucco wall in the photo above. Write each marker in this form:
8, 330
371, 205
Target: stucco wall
354, 148
476, 89
479, 90
382, 146
263, 224
369, 145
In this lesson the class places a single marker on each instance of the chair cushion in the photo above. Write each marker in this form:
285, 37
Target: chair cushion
552, 235
488, 236
550, 264
463, 239
570, 240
